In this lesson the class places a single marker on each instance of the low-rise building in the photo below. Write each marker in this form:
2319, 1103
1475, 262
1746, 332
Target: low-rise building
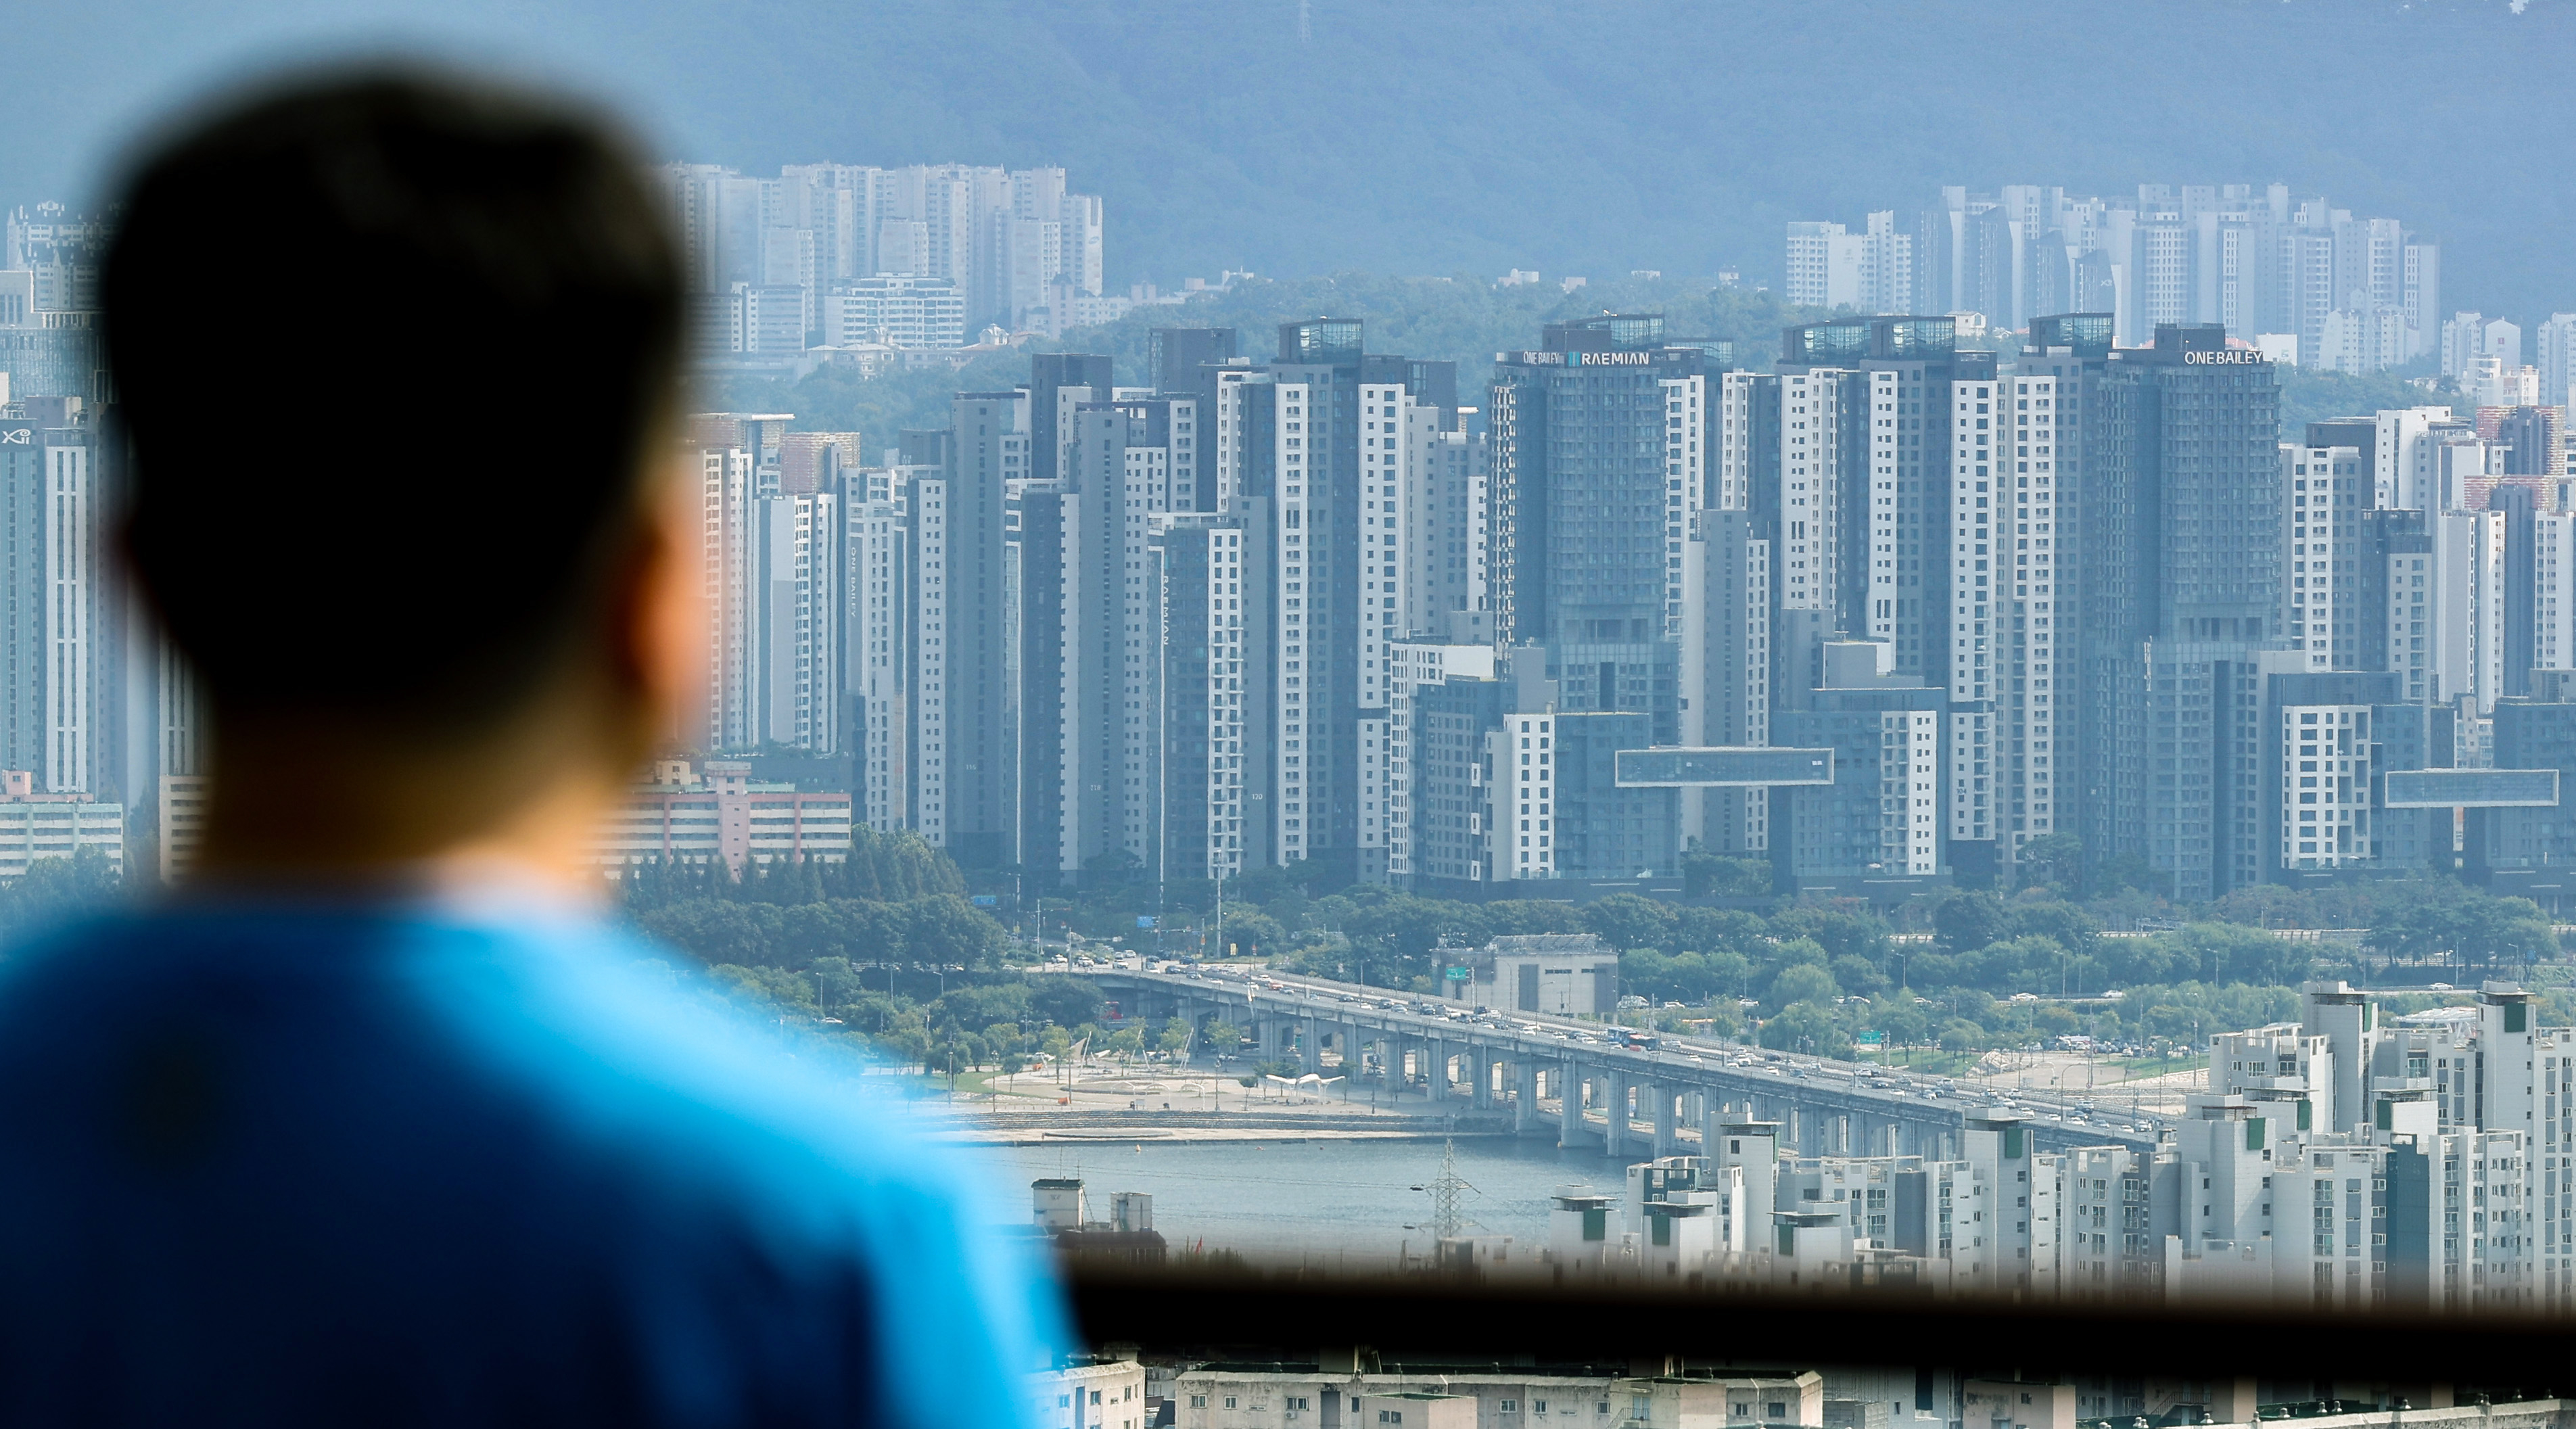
1090, 1392
1354, 1394
692, 817
1566, 974
36, 826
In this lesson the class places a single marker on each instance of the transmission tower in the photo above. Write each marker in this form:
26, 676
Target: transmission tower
1305, 20
1445, 1221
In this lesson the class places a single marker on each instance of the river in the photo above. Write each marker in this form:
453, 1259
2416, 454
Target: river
1319, 1202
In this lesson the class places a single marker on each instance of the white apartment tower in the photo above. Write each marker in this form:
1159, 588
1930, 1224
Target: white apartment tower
1981, 556
797, 550
1522, 824
2553, 591
1296, 516
932, 656
1687, 439
2323, 497
1872, 270
2325, 801
2554, 354
2032, 673
1809, 573
725, 505
876, 551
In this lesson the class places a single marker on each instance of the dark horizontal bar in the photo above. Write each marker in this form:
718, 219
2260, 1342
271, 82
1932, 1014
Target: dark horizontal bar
1224, 1315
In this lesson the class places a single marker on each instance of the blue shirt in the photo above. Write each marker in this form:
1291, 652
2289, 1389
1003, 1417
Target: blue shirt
302, 1166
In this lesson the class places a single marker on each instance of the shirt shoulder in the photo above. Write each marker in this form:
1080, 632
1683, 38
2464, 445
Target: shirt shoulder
545, 1087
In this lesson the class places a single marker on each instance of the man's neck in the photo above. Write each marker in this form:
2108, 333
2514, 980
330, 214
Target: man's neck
322, 808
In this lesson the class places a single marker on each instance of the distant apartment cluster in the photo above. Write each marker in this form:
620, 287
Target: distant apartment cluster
94, 711
855, 259
1882, 616
2304, 280
2341, 1161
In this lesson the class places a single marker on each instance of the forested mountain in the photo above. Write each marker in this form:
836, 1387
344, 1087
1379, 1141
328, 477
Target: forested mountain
1465, 320
1414, 137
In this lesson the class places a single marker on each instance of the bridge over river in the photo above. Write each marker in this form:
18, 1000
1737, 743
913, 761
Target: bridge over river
1566, 1078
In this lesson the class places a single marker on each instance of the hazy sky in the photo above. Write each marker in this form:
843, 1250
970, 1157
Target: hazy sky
1412, 137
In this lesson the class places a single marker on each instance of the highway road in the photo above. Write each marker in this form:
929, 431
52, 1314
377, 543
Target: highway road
1728, 1070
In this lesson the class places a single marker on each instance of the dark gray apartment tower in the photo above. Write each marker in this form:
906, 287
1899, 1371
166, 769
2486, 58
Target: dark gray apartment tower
1183, 361
1726, 665
1453, 774
2531, 440
971, 724
1174, 356
1118, 460
2359, 433
2413, 736
2395, 545
1322, 635
1035, 650
2520, 504
1602, 829
1049, 374
2527, 851
1580, 559
1432, 383
2181, 605
1189, 562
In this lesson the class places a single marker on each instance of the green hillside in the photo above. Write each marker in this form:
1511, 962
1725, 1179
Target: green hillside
1463, 319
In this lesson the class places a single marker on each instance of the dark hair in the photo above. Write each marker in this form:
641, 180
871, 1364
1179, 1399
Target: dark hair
388, 346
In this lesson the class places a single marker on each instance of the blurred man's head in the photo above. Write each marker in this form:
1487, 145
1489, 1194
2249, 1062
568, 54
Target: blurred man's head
389, 348
392, 349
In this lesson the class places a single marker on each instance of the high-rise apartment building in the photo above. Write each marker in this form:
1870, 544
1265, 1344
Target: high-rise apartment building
876, 551
54, 640
1328, 442
962, 747
62, 253
1872, 270
1184, 362
2179, 615
1601, 442
1420, 799
2554, 354
2356, 293
1726, 670
1210, 572
982, 245
1118, 456
2325, 493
